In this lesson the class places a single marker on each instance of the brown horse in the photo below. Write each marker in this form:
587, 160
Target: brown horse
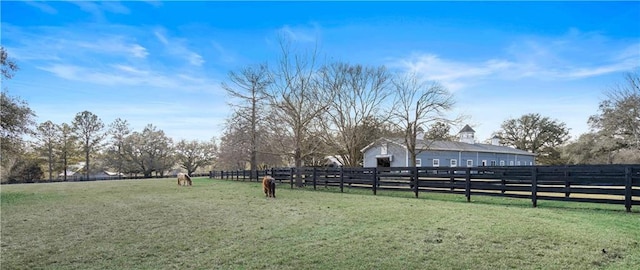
184, 180
269, 186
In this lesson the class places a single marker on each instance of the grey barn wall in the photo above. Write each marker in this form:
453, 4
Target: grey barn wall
398, 152
477, 157
400, 155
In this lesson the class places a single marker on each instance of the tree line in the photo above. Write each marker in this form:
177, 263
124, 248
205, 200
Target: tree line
297, 111
86, 140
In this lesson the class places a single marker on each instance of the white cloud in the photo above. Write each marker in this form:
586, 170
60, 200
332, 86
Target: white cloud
123, 75
572, 56
178, 48
195, 59
98, 9
224, 55
117, 45
300, 34
161, 36
131, 69
138, 51
42, 6
70, 43
452, 74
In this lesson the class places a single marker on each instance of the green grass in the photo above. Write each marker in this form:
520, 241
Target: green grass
154, 224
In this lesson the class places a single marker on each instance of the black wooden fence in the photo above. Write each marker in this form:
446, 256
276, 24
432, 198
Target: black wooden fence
611, 184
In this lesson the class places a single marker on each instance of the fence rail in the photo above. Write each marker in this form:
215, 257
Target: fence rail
82, 178
611, 184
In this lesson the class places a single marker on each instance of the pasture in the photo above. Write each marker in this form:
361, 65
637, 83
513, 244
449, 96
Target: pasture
219, 224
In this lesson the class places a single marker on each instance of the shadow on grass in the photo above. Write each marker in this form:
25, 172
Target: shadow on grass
475, 199
486, 200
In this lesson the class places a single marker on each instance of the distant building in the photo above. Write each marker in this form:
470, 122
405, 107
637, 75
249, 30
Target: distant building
386, 152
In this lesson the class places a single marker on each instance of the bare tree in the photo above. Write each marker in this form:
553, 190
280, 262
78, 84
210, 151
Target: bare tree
249, 86
359, 95
298, 102
418, 104
615, 130
620, 113
88, 128
234, 150
47, 134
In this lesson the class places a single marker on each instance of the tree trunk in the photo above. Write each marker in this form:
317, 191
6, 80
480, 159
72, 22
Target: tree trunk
50, 164
87, 160
298, 161
253, 159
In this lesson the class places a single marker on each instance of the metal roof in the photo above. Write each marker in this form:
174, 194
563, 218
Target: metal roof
467, 128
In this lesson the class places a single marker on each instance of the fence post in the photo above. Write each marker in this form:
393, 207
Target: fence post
314, 178
375, 180
534, 186
291, 173
415, 181
503, 182
452, 179
341, 179
467, 184
567, 184
628, 190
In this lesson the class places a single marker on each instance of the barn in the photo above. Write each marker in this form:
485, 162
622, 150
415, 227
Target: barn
392, 152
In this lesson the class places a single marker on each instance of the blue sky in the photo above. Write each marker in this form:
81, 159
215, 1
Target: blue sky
162, 63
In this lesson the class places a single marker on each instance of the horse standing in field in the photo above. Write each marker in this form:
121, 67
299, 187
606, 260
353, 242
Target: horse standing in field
184, 180
269, 186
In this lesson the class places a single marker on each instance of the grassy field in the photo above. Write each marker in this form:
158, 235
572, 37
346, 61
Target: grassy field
154, 224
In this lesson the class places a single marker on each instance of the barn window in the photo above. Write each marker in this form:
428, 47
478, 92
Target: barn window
469, 162
454, 163
418, 162
518, 162
484, 163
436, 162
511, 163
493, 163
501, 162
